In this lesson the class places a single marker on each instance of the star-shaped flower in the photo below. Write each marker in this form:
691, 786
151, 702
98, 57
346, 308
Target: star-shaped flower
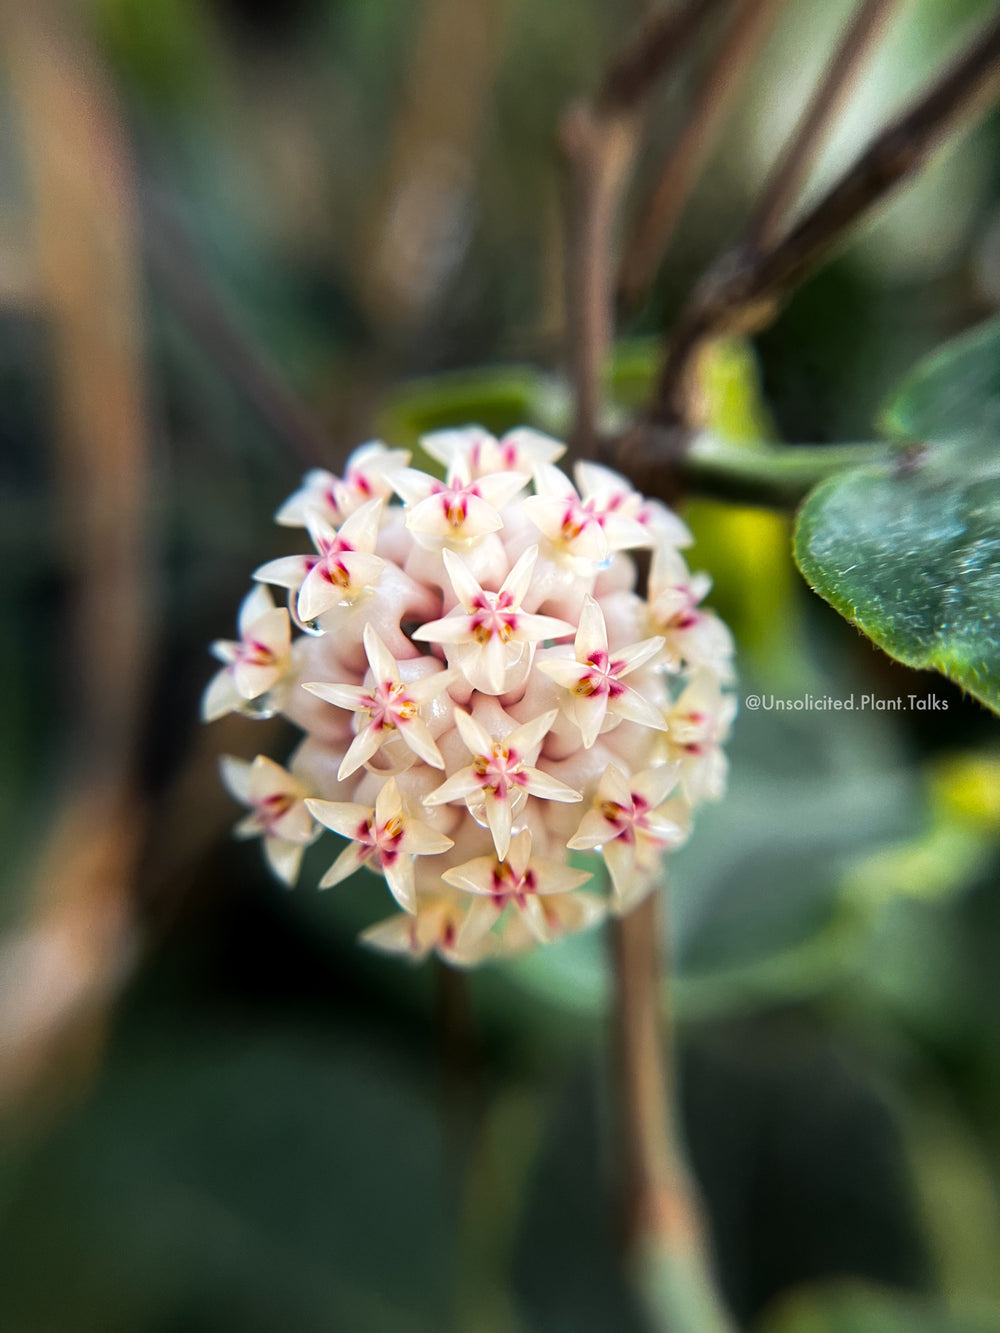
344, 568
501, 778
435, 928
694, 637
629, 826
385, 707
458, 510
278, 811
519, 881
697, 724
520, 450
491, 636
366, 477
255, 663
590, 524
595, 680
384, 839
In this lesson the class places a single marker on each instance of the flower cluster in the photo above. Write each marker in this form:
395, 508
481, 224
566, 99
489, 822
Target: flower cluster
482, 691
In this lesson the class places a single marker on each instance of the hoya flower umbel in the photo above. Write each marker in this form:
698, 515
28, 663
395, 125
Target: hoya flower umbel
525, 732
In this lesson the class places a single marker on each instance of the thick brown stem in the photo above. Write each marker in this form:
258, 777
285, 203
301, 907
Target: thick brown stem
658, 1201
744, 290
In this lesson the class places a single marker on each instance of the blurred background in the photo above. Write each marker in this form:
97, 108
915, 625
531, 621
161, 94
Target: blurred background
237, 238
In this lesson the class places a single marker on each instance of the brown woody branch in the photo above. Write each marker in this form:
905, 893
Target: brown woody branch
599, 139
750, 25
744, 290
783, 186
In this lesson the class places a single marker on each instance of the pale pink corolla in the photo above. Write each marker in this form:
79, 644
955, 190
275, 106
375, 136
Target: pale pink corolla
385, 708
595, 679
520, 450
458, 510
489, 638
278, 811
520, 882
693, 637
630, 827
344, 567
698, 722
590, 526
434, 928
501, 776
384, 839
366, 477
255, 663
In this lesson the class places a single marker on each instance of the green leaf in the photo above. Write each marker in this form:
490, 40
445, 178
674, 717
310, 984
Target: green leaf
952, 394
911, 555
909, 549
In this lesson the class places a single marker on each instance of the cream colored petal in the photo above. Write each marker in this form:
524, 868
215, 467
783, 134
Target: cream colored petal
499, 817
533, 629
501, 487
454, 628
475, 737
637, 654
318, 594
619, 856
381, 661
592, 635
397, 935
257, 603
348, 863
460, 785
475, 876
399, 877
589, 712
564, 672
365, 744
422, 840
351, 697
594, 831
388, 803
286, 572
614, 786
548, 788
411, 485
654, 785
343, 817
527, 738
631, 704
235, 775
220, 697
284, 858
360, 530
518, 581
467, 589
416, 734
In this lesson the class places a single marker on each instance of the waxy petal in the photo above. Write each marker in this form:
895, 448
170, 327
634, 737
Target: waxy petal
476, 738
350, 860
467, 589
548, 788
343, 817
351, 697
460, 785
284, 858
